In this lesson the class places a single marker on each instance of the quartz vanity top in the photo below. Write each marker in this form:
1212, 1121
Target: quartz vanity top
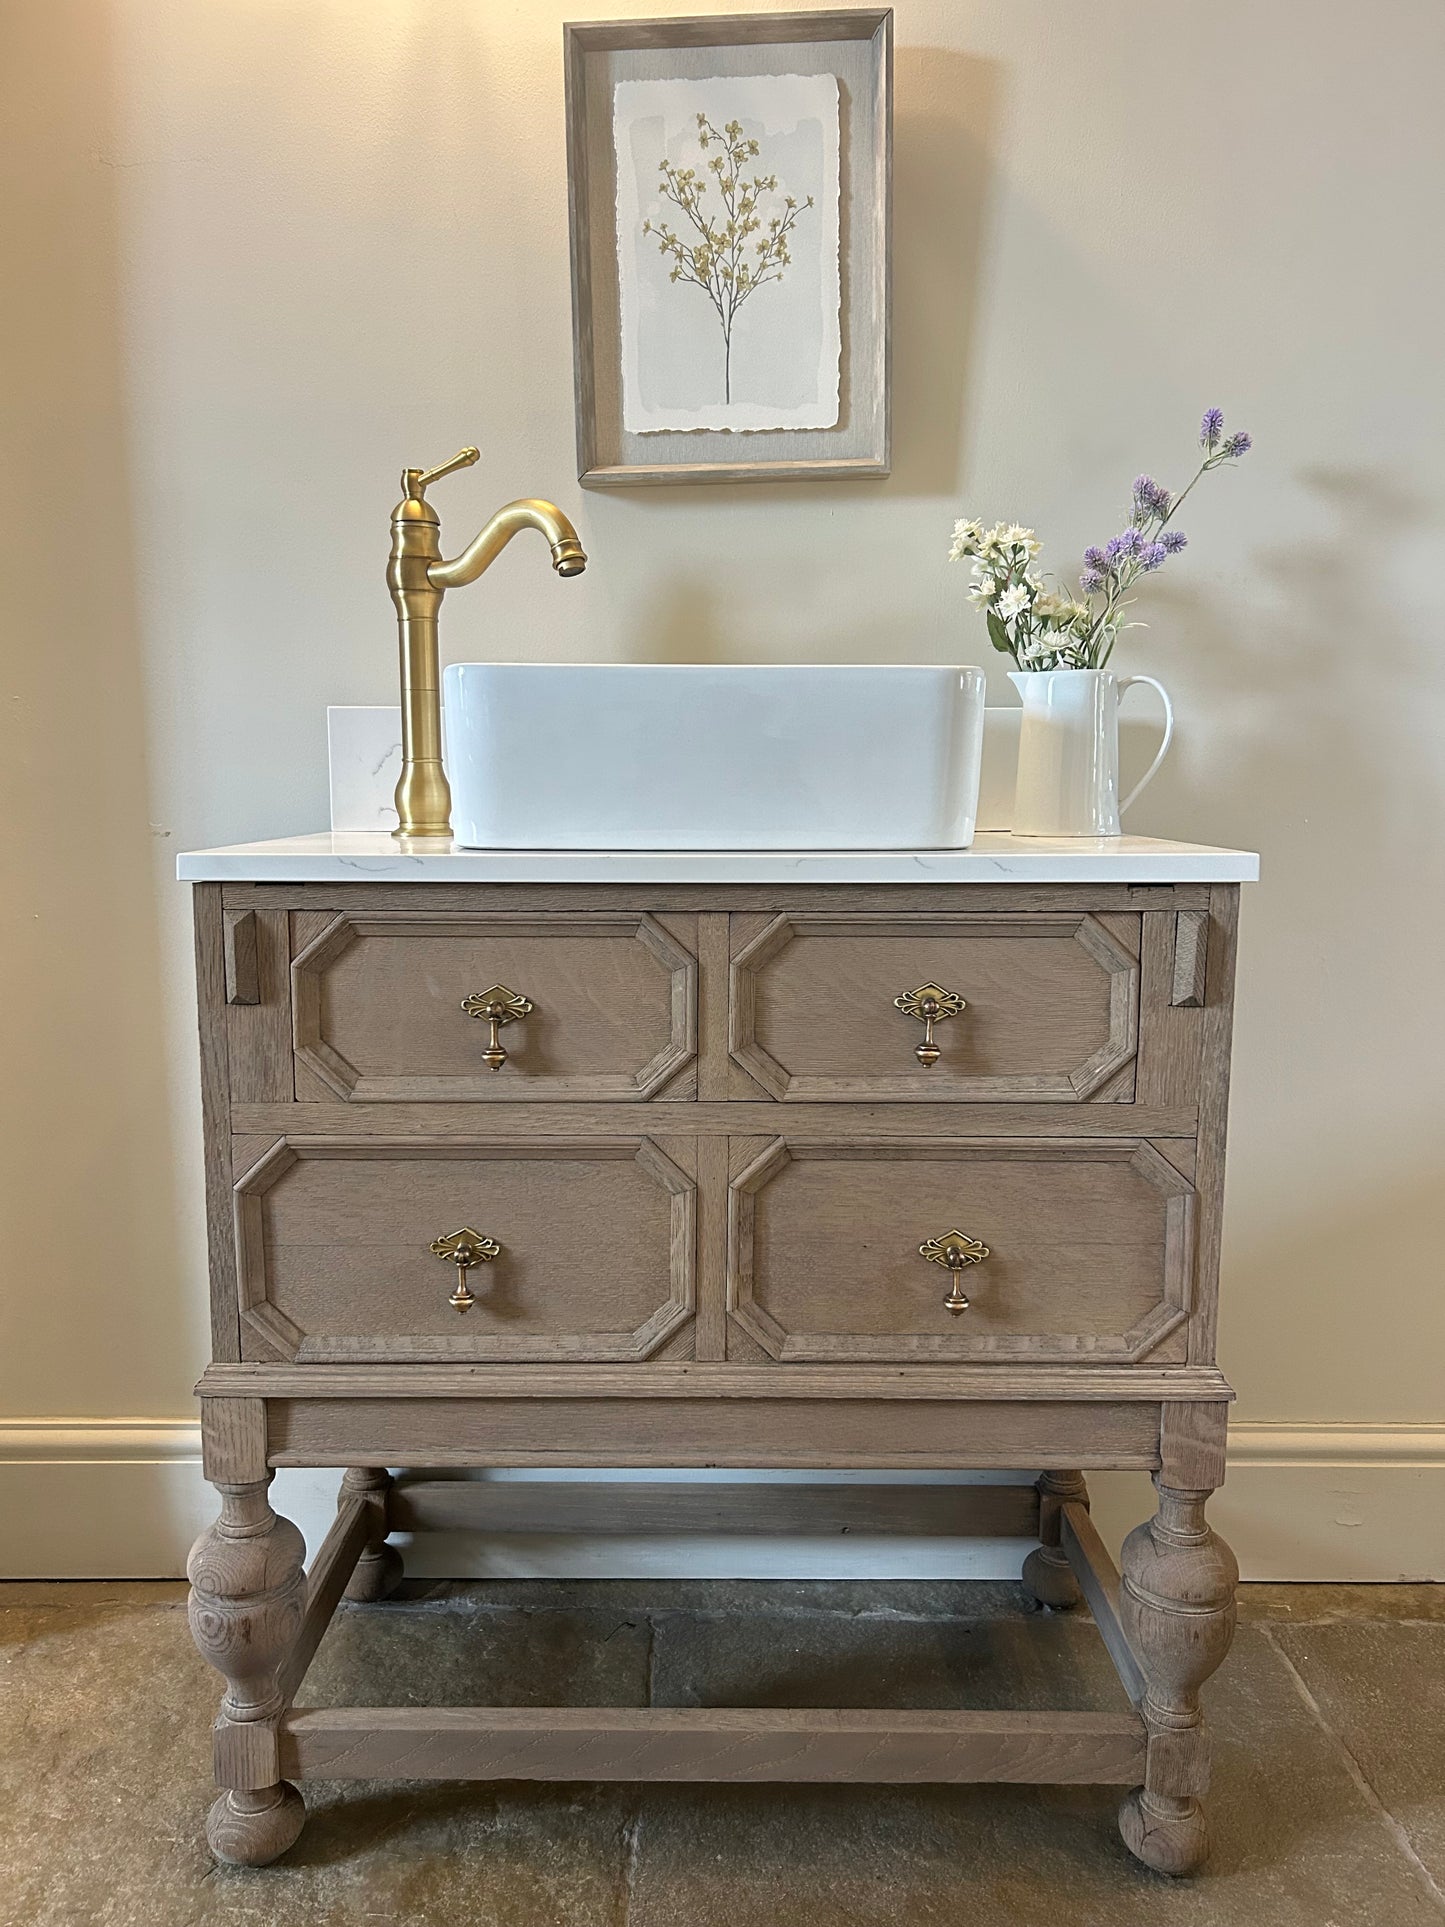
333, 856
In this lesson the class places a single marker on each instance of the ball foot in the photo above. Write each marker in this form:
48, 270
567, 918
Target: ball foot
377, 1575
1049, 1579
1169, 1835
253, 1829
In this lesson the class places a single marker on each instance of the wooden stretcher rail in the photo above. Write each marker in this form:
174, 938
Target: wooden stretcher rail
697, 1743
623, 1508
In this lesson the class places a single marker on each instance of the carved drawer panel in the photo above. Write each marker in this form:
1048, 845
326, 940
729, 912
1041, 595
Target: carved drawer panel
573, 1250
591, 1008
1062, 1250
1036, 1009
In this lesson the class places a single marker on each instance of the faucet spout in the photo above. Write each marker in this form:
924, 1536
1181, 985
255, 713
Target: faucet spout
568, 555
418, 578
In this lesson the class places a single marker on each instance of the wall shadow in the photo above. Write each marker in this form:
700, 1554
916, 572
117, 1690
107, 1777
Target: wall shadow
945, 117
1323, 754
88, 1195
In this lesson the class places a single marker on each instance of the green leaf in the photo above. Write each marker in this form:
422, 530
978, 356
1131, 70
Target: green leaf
998, 635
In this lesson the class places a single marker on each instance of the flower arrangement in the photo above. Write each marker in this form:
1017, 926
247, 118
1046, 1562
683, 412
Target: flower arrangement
1042, 628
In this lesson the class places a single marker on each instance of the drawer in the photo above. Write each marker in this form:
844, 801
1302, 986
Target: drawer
1089, 1251
595, 1251
1050, 1007
593, 1008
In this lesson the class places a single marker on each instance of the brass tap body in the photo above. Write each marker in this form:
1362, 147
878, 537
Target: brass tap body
418, 578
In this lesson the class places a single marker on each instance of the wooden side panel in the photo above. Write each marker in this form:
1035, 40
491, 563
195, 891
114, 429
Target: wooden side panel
1217, 1025
215, 1118
1170, 1035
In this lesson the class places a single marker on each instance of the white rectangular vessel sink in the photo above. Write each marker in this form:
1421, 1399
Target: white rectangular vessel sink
704, 756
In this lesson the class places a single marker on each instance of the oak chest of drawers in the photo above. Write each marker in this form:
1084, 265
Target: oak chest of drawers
753, 1174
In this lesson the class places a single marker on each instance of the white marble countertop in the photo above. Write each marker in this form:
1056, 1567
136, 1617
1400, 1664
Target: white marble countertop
354, 856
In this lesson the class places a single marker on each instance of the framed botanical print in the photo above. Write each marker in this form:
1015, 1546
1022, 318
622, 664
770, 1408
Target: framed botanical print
729, 200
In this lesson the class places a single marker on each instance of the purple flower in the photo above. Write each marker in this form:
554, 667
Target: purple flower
1096, 559
1173, 540
1151, 555
1091, 581
1237, 445
1211, 428
1150, 496
1125, 546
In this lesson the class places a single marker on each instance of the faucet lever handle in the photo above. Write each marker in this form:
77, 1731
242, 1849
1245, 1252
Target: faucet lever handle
416, 481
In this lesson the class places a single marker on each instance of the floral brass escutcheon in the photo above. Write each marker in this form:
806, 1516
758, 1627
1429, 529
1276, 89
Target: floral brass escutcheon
464, 1249
930, 1004
955, 1251
498, 1006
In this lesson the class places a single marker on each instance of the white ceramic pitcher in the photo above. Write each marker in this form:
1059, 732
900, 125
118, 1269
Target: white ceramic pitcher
1068, 771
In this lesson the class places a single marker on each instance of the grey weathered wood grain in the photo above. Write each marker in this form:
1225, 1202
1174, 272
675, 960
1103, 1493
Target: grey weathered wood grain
881, 1435
561, 1506
243, 980
326, 1581
1191, 954
769, 899
216, 1098
1098, 1579
702, 1743
1082, 1381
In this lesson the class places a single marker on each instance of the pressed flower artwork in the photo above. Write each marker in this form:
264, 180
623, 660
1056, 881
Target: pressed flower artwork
728, 248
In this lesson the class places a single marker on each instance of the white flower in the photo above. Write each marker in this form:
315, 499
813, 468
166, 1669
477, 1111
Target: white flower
965, 540
982, 592
1013, 602
1017, 537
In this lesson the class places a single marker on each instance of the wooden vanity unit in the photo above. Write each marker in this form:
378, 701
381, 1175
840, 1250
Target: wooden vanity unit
807, 1162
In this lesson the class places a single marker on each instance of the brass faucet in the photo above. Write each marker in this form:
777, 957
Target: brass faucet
418, 578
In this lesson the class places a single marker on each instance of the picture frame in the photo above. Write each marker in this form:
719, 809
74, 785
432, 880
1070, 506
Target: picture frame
759, 359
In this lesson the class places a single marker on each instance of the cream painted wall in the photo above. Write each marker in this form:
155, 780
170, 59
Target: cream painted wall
259, 253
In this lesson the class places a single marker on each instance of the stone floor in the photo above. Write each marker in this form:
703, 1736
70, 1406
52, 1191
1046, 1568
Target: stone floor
1329, 1804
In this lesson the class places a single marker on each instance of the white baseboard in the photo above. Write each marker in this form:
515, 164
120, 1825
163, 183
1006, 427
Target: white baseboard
124, 1498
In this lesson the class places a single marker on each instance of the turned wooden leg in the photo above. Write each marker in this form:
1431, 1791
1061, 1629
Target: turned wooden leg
379, 1569
1176, 1606
248, 1595
1047, 1574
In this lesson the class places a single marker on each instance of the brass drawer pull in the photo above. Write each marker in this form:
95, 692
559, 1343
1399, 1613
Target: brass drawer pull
464, 1249
930, 1004
499, 1006
956, 1251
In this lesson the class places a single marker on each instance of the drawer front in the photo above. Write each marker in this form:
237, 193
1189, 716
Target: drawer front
595, 1254
1083, 1251
1050, 1007
594, 1008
